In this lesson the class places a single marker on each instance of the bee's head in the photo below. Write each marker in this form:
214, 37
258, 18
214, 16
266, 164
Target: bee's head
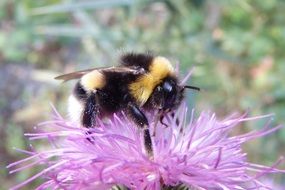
168, 94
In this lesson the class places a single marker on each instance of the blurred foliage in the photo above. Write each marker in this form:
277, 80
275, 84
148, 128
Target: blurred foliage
236, 48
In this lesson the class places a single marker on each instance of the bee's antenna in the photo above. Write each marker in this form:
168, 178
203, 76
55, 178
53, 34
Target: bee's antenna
192, 87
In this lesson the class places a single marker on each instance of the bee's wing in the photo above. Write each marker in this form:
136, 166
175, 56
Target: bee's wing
120, 69
124, 70
73, 75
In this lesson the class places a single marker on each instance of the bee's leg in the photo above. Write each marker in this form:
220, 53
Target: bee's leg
140, 119
90, 111
161, 117
158, 118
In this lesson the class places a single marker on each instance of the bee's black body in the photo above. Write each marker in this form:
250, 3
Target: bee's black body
140, 82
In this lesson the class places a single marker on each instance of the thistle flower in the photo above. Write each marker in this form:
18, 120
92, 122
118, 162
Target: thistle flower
198, 154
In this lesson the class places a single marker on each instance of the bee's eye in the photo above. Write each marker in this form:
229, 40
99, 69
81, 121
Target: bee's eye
167, 87
170, 92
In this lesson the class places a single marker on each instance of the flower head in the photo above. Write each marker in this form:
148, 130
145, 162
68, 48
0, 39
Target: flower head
198, 153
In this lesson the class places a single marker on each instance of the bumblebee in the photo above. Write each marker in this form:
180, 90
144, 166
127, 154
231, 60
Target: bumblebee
139, 83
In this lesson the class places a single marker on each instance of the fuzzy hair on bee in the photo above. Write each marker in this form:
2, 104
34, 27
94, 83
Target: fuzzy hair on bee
139, 83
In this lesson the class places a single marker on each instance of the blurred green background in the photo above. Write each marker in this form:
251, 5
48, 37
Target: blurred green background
237, 48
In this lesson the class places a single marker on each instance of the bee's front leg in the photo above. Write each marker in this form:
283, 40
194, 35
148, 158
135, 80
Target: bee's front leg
140, 120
